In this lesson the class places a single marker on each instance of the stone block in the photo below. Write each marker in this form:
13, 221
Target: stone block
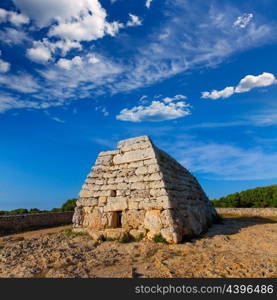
170, 235
122, 186
157, 184
152, 221
132, 218
141, 170
132, 156
131, 141
153, 168
102, 201
105, 153
156, 176
104, 160
89, 202
86, 193
116, 204
158, 192
139, 186
133, 204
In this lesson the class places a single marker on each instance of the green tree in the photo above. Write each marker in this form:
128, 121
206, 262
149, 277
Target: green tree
257, 197
18, 211
34, 211
69, 205
55, 209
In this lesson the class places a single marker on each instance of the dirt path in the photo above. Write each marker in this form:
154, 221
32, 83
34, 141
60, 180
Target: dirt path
34, 233
240, 247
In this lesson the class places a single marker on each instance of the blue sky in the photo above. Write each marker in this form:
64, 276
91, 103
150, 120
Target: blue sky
198, 77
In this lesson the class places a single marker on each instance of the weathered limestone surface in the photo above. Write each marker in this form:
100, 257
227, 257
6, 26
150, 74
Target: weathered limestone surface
140, 189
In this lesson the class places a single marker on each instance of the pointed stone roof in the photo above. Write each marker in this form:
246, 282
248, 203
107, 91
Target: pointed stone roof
141, 190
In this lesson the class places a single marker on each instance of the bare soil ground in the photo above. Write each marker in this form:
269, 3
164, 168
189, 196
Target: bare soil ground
240, 247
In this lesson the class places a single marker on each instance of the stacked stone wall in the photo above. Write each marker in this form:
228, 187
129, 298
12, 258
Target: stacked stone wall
23, 222
251, 212
155, 194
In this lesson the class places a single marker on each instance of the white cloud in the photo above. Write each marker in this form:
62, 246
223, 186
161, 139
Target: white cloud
3, 15
8, 102
91, 77
243, 21
92, 59
21, 82
64, 46
113, 28
87, 29
175, 98
13, 17
69, 63
157, 111
42, 51
227, 92
4, 66
57, 119
134, 21
143, 99
18, 19
148, 3
13, 36
248, 83
82, 20
39, 54
44, 12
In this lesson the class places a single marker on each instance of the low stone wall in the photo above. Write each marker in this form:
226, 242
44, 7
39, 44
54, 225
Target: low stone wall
16, 223
251, 212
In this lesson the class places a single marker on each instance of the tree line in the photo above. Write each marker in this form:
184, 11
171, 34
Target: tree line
69, 205
257, 197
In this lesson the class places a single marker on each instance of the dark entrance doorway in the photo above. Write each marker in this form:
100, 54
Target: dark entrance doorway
118, 219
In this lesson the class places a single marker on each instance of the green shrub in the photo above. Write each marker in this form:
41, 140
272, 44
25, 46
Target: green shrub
159, 239
18, 211
34, 211
69, 232
69, 205
56, 210
126, 239
257, 197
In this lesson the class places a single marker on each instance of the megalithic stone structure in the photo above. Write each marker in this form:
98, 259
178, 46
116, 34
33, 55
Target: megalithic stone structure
141, 190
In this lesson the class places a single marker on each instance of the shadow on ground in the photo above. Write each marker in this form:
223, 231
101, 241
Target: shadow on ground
233, 224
